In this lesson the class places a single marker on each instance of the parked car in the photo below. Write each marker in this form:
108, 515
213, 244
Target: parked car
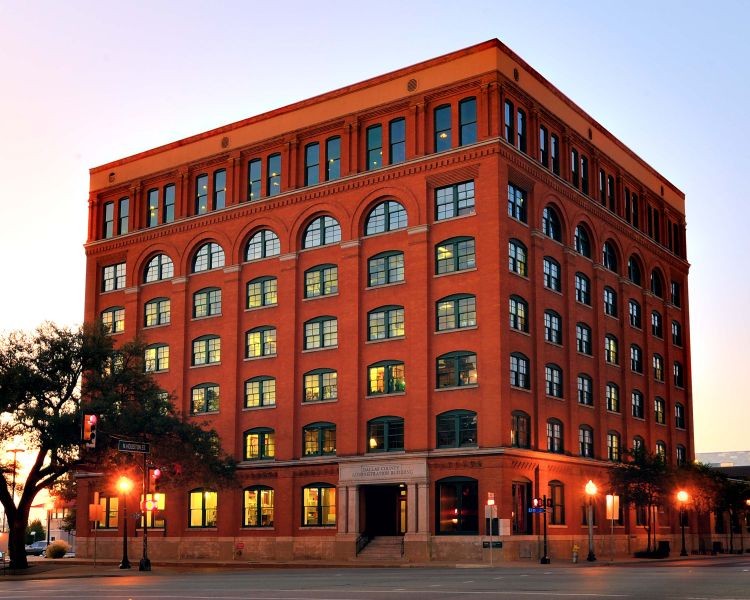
37, 548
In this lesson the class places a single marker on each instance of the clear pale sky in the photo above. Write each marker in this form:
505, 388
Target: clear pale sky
84, 83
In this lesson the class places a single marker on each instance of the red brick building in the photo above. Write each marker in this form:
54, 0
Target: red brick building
393, 299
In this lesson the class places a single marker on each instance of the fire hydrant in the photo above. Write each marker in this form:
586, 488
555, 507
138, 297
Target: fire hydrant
576, 548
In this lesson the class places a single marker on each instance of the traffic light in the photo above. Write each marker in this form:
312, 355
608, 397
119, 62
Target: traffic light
89, 431
537, 502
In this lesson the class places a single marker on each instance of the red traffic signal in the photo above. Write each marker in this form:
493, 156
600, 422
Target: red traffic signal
88, 434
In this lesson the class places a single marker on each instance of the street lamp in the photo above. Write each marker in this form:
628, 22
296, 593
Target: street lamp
682, 497
50, 506
124, 485
591, 492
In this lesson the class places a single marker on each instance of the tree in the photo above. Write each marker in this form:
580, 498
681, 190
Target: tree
48, 380
644, 480
37, 529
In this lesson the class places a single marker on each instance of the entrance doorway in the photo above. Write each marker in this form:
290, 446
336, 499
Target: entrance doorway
384, 509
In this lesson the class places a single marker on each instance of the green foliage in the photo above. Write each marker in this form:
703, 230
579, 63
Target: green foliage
38, 529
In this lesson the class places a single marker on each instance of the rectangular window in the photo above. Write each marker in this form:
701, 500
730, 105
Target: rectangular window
509, 116
254, 179
574, 167
397, 141
273, 170
113, 277
201, 194
442, 128
152, 216
543, 146
584, 174
554, 149
454, 200
109, 219
321, 282
124, 210
333, 158
467, 111
220, 189
521, 130
385, 269
374, 147
169, 203
312, 164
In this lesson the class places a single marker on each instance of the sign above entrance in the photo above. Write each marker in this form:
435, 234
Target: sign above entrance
392, 471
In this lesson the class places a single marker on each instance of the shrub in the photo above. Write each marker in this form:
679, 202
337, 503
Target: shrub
57, 549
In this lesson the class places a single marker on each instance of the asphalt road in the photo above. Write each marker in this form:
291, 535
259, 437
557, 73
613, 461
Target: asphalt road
728, 579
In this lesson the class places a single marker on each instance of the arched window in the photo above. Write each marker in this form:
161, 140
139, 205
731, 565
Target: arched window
456, 312
260, 341
554, 436
257, 506
204, 398
612, 393
583, 339
457, 506
456, 369
455, 254
552, 327
639, 444
454, 201
661, 450
386, 377
206, 350
113, 319
320, 385
583, 289
321, 280
679, 380
157, 312
260, 391
520, 432
586, 441
319, 505
262, 291
207, 303
613, 446
636, 358
657, 284
457, 429
557, 499
260, 444
319, 439
636, 401
658, 364
676, 333
263, 244
202, 504
681, 455
609, 257
156, 358
552, 279
519, 371
679, 415
386, 216
385, 434
611, 354
517, 258
517, 203
385, 322
582, 241
384, 268
158, 268
585, 390
551, 224
610, 302
634, 311
321, 332
656, 324
518, 310
634, 271
321, 232
209, 256
553, 380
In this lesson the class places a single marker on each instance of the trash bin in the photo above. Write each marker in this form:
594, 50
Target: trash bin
663, 548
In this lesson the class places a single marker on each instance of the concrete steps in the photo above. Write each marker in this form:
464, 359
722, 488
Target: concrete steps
382, 549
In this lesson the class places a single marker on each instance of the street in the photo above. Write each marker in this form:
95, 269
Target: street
724, 578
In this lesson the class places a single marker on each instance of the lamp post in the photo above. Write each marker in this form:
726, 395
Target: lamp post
591, 492
124, 485
50, 506
682, 497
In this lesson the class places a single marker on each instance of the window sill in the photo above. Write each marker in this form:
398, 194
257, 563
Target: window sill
384, 395
455, 329
590, 406
456, 218
456, 272
586, 354
257, 528
204, 413
156, 326
614, 317
308, 350
581, 303
614, 412
261, 307
312, 457
555, 344
388, 339
324, 527
204, 317
310, 402
553, 290
306, 299
517, 274
385, 285
521, 331
520, 389
158, 371
199, 528
214, 364
262, 407
551, 397
452, 388
250, 358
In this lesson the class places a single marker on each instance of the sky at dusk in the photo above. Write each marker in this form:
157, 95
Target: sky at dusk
85, 83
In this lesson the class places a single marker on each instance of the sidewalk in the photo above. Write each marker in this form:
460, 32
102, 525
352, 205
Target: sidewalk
80, 568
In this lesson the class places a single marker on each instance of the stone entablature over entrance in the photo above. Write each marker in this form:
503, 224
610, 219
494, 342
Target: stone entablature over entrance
395, 470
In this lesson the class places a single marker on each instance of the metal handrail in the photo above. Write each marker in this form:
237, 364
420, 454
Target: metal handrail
362, 541
402, 547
